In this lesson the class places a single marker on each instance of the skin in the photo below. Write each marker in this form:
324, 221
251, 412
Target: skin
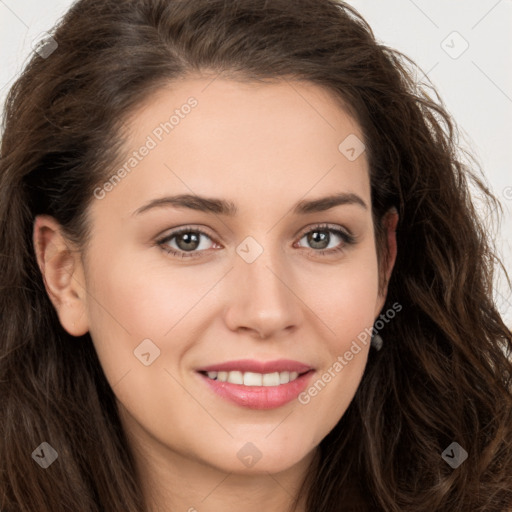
264, 147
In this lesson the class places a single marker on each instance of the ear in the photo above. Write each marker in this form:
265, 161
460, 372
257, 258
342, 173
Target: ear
62, 273
389, 222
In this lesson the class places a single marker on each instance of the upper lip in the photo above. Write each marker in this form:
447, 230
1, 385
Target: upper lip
252, 365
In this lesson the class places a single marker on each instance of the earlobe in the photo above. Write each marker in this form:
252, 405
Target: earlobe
62, 274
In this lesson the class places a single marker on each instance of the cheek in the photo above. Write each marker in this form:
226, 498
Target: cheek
137, 299
345, 298
125, 306
346, 304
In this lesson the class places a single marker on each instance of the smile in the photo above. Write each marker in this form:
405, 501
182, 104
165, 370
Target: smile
256, 384
254, 379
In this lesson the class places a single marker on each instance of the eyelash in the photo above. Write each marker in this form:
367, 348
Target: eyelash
347, 238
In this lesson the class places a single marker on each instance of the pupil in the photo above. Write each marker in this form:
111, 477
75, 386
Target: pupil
188, 238
318, 237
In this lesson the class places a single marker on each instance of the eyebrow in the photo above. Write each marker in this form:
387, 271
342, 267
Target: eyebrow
228, 208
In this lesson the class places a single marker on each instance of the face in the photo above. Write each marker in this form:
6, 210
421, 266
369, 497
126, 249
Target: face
252, 277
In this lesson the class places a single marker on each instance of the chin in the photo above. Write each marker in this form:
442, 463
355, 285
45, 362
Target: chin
251, 460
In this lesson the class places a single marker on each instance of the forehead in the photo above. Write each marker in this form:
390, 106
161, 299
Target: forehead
283, 140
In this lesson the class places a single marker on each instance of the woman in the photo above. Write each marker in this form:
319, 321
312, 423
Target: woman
241, 268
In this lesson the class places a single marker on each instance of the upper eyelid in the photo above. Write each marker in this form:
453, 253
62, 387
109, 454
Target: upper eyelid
326, 227
186, 229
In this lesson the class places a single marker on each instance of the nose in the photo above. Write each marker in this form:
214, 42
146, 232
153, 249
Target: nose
262, 299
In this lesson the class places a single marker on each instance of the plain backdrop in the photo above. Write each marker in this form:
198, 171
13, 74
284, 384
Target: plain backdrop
465, 49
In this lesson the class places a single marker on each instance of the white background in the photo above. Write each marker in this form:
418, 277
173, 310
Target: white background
476, 86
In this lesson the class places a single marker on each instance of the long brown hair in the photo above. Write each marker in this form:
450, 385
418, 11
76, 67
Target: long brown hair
442, 375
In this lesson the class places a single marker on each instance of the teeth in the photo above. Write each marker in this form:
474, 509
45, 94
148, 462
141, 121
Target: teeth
236, 377
271, 379
254, 379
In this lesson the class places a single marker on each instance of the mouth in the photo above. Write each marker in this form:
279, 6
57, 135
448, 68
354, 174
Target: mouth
257, 385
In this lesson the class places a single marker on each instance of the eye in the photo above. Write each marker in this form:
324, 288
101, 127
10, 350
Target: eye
186, 240
321, 239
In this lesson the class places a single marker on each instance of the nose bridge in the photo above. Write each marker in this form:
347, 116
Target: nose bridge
262, 299
259, 265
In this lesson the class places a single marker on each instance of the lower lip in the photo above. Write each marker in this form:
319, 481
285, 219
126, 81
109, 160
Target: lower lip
259, 397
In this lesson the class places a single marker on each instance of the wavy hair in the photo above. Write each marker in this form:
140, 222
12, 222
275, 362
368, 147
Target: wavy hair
444, 373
